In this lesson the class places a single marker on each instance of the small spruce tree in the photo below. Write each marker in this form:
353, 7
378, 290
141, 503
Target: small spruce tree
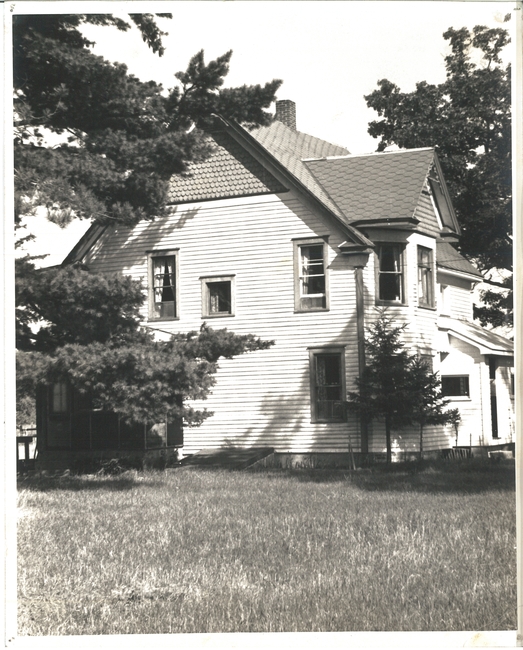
396, 386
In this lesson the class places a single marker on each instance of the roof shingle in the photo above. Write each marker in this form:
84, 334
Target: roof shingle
375, 186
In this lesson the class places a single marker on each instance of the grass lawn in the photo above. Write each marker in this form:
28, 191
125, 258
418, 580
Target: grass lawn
191, 550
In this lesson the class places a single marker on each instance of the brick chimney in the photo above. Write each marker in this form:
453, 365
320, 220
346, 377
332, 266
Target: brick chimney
286, 113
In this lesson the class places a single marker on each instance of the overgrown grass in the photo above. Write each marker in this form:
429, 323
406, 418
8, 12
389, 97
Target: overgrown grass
216, 551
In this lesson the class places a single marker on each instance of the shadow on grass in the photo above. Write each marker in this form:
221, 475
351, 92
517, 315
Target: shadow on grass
450, 477
76, 483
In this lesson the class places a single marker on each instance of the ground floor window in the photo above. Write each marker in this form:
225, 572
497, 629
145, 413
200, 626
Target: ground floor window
455, 385
327, 372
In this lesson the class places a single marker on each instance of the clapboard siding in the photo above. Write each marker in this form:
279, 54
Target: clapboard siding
261, 398
425, 213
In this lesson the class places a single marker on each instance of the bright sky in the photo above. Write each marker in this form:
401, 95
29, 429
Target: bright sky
329, 55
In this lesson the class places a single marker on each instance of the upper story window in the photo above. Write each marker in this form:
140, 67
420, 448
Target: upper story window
425, 277
163, 285
327, 374
390, 273
218, 296
311, 282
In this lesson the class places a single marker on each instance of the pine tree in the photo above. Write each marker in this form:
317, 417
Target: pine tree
120, 141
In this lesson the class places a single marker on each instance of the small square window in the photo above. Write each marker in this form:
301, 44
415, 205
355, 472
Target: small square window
218, 296
311, 281
163, 285
390, 274
455, 386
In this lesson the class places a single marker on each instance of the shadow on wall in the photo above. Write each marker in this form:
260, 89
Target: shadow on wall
129, 243
288, 414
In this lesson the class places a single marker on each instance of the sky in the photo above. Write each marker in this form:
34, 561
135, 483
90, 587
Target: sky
328, 54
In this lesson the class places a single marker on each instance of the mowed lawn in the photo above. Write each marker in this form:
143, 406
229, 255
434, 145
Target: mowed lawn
193, 550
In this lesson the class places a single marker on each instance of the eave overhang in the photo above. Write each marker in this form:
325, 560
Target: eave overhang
396, 223
463, 275
486, 342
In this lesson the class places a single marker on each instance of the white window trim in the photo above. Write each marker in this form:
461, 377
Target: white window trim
151, 255
206, 313
312, 241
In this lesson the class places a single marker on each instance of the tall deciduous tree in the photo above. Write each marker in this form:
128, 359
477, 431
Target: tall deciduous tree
467, 118
119, 142
397, 386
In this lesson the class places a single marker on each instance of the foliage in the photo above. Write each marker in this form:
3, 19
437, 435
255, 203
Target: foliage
396, 386
122, 138
120, 141
428, 399
468, 119
92, 338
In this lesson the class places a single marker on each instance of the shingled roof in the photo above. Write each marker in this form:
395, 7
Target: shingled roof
448, 258
375, 186
230, 171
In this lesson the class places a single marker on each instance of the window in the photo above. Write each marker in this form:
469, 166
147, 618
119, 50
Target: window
390, 278
218, 296
455, 386
311, 275
327, 371
425, 277
59, 398
163, 285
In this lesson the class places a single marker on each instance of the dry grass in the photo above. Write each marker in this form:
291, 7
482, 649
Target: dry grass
215, 551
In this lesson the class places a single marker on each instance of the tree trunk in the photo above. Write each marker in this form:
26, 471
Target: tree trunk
420, 441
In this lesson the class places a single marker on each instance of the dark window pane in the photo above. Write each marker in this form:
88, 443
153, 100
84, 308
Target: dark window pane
390, 286
329, 398
219, 297
455, 386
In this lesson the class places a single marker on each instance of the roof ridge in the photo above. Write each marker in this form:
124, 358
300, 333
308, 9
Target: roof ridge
371, 153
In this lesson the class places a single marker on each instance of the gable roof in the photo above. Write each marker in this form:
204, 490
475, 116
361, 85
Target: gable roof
375, 186
448, 258
230, 171
486, 341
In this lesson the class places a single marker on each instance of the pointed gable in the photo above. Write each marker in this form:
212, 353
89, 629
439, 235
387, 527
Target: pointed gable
376, 186
230, 171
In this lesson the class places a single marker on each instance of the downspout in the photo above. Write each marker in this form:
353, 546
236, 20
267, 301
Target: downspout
360, 330
358, 256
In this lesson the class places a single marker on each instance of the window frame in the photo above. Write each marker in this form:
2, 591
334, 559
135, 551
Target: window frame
151, 257
205, 293
314, 353
458, 396
402, 273
299, 297
428, 269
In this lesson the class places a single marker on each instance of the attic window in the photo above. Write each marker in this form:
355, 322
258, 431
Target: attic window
163, 285
310, 275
